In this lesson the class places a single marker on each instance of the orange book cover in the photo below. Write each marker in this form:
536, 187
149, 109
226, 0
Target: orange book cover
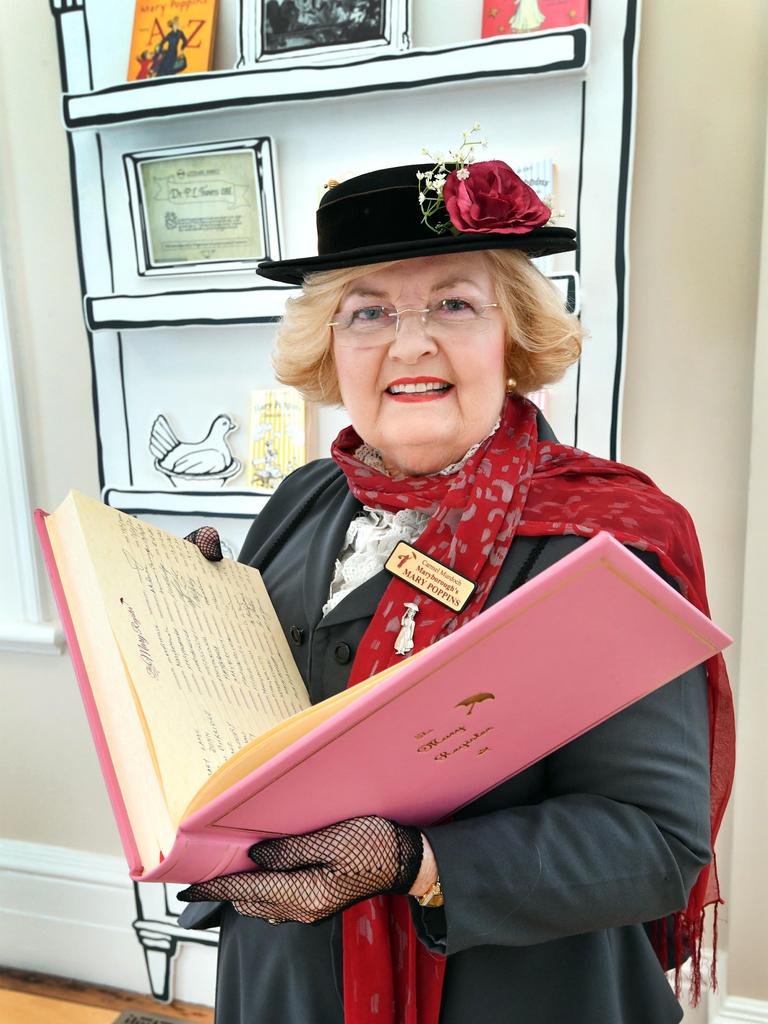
171, 37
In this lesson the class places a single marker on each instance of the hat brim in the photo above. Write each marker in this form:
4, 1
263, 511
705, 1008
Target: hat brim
539, 242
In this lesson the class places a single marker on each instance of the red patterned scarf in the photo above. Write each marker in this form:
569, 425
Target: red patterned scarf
512, 484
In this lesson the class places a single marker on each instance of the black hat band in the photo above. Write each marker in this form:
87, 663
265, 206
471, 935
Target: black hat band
384, 215
376, 217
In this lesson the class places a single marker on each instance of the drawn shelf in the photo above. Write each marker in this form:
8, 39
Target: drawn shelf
543, 53
222, 306
226, 504
186, 308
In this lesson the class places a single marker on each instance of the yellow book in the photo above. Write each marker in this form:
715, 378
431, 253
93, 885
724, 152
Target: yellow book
277, 436
171, 37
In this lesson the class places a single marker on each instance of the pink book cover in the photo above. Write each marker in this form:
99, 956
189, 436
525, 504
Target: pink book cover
582, 640
516, 17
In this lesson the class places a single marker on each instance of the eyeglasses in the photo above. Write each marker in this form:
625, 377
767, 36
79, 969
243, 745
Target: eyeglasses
377, 325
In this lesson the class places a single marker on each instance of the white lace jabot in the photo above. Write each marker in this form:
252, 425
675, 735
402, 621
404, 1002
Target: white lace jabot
373, 534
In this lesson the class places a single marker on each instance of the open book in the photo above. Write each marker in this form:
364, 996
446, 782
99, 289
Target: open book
205, 732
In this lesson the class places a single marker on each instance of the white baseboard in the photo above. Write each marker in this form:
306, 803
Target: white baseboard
71, 913
723, 1008
738, 1010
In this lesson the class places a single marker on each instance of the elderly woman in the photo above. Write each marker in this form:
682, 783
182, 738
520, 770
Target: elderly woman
551, 897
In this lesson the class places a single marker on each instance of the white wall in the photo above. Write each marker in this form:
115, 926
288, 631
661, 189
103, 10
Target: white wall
56, 793
695, 234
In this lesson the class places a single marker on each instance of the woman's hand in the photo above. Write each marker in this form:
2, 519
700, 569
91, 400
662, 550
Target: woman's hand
206, 540
309, 877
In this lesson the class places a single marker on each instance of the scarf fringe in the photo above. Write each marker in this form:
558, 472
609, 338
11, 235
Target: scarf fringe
687, 939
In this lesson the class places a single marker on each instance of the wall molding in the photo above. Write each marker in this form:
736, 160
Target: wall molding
61, 862
71, 913
23, 626
31, 637
719, 1007
739, 1010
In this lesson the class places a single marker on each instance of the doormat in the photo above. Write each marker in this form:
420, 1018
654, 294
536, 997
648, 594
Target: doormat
140, 1017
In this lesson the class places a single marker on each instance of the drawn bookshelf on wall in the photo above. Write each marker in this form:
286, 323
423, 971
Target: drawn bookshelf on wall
195, 341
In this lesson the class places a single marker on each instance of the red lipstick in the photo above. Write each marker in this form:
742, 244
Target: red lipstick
418, 389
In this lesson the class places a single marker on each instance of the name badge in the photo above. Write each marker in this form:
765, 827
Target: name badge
432, 578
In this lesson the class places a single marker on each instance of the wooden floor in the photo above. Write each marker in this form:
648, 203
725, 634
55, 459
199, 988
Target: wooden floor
29, 998
22, 1008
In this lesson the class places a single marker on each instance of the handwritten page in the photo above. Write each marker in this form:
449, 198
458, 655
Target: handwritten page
205, 652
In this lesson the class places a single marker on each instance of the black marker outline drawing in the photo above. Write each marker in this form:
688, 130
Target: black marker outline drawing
209, 459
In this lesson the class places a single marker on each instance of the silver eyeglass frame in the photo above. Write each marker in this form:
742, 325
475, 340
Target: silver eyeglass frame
397, 314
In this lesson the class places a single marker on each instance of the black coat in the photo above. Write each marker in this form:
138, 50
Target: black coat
547, 878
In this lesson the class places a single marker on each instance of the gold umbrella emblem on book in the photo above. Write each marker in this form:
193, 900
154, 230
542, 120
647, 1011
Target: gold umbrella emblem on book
476, 698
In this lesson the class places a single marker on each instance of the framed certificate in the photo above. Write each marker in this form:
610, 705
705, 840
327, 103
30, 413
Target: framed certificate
207, 208
311, 30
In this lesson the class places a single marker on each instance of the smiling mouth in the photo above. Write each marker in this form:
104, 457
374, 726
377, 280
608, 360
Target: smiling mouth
421, 388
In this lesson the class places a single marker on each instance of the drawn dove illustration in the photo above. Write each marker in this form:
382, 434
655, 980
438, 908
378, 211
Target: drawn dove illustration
208, 459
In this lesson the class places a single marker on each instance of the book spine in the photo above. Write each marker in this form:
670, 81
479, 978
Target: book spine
81, 673
195, 858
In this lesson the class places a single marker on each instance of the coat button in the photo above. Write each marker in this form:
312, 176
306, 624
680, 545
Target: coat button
297, 635
342, 653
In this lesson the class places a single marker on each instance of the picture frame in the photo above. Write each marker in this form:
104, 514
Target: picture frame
297, 32
206, 208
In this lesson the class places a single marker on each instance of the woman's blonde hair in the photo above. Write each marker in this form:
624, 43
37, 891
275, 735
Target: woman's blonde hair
542, 338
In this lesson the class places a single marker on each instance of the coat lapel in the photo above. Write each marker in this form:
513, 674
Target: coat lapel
324, 549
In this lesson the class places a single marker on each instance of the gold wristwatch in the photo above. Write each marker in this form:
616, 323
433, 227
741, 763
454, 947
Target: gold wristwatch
433, 897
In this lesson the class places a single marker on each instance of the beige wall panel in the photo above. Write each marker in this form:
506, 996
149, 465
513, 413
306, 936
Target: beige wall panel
749, 900
694, 259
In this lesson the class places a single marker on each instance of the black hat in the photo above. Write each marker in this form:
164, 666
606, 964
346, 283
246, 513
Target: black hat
376, 217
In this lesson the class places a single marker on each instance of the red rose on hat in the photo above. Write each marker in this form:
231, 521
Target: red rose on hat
489, 196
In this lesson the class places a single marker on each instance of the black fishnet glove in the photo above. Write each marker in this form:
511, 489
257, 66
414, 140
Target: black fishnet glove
309, 877
206, 538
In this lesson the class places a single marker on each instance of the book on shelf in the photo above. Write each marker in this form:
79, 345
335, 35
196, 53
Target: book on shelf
171, 38
515, 17
541, 176
277, 436
205, 732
